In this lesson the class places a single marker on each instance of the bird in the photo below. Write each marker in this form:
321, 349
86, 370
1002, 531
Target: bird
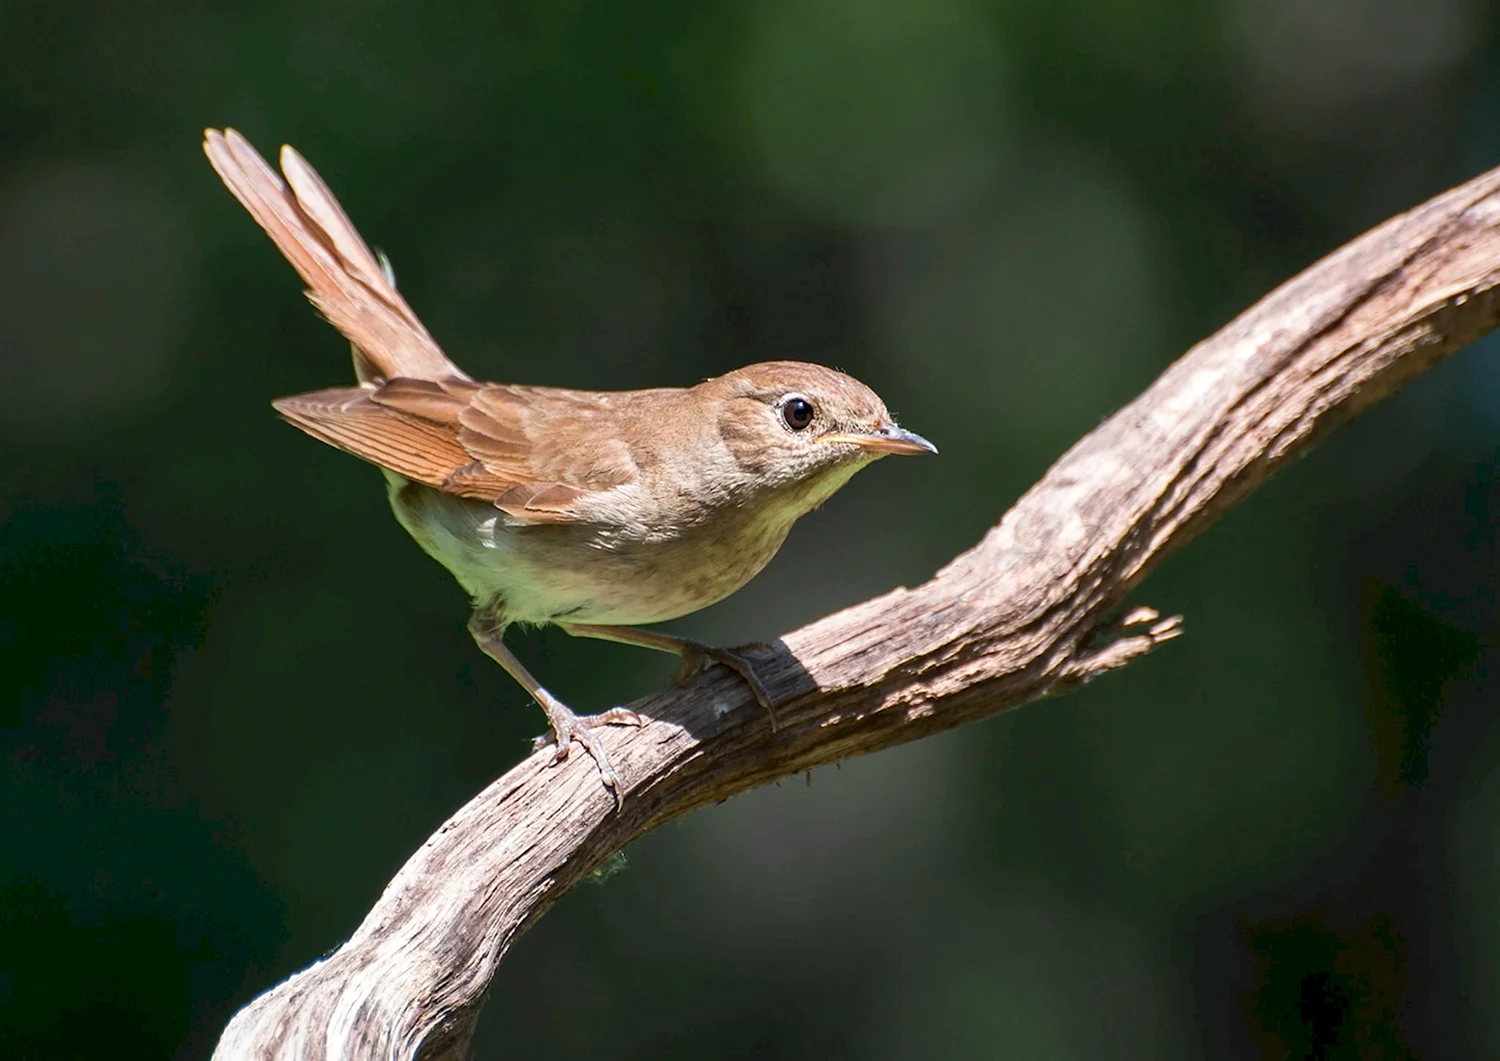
594, 511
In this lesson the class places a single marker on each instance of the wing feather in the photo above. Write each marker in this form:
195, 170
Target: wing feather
348, 419
437, 432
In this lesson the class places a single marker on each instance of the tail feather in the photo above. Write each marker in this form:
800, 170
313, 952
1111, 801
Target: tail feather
345, 280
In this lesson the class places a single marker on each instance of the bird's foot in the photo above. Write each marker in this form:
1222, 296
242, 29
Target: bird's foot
569, 727
697, 656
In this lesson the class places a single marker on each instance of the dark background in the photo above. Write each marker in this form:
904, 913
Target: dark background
234, 697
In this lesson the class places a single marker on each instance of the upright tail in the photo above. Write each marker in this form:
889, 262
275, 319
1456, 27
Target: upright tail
345, 281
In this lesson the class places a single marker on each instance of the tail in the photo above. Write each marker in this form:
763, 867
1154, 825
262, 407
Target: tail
345, 281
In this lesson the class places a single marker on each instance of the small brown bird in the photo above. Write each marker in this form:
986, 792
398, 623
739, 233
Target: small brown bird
595, 511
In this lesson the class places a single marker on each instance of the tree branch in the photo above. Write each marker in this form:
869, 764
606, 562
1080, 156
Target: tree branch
1022, 615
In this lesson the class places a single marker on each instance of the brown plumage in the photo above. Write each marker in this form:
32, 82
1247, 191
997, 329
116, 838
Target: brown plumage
594, 510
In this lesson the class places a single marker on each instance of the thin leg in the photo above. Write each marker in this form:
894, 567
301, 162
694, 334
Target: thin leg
695, 655
567, 726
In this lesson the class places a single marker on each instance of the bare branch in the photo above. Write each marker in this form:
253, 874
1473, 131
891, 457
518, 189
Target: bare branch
1022, 615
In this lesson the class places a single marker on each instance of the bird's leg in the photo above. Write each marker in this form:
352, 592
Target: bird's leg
567, 726
695, 655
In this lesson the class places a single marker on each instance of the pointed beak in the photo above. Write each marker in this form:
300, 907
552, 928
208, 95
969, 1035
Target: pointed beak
887, 438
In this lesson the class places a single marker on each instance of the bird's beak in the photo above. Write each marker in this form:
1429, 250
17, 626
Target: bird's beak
887, 438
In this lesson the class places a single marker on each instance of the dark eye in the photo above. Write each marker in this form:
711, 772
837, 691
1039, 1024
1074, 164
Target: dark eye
797, 412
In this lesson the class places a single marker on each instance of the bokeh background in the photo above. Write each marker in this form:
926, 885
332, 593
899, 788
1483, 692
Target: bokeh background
233, 696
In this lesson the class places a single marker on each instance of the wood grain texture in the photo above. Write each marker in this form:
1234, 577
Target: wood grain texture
1024, 614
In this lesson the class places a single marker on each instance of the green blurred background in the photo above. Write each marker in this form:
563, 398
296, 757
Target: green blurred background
234, 697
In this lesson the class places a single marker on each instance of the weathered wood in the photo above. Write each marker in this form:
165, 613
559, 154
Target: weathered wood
1022, 615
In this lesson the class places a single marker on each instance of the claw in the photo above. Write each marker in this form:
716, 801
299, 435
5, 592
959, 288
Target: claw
487, 626
697, 656
568, 728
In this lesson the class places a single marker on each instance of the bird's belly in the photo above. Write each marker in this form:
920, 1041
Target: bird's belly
645, 583
571, 573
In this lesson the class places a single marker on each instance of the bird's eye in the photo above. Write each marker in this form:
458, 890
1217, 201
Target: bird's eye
797, 412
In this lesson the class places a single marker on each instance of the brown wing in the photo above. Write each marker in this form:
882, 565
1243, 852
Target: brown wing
344, 280
532, 452
349, 418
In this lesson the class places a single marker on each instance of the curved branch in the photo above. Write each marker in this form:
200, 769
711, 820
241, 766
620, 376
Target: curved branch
1022, 615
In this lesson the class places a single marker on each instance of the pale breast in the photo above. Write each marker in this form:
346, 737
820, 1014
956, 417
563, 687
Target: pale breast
588, 573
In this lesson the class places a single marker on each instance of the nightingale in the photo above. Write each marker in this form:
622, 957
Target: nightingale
594, 511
